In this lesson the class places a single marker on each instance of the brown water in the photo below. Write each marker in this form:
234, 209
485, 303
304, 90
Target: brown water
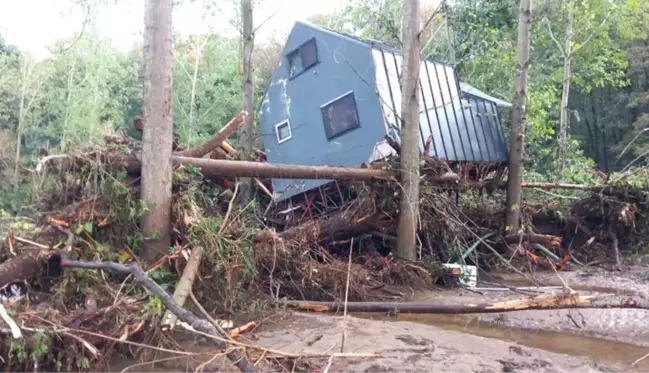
599, 350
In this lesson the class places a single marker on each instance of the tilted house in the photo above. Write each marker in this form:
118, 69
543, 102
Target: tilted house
333, 98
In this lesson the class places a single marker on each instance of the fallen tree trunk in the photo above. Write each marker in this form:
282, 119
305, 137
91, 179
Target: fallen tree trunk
541, 185
228, 168
23, 267
549, 301
219, 167
234, 355
525, 184
282, 250
216, 140
541, 239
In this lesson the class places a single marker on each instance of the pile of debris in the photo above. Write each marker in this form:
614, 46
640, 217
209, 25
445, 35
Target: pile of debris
329, 244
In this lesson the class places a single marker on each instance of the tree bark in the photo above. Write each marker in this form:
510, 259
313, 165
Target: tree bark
226, 168
409, 206
184, 285
218, 139
158, 128
517, 146
567, 60
23, 267
248, 94
542, 302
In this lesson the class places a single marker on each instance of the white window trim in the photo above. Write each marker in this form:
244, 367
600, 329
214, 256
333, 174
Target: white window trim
338, 98
290, 132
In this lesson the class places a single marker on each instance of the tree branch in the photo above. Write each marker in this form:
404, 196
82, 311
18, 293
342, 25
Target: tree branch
190, 318
591, 35
554, 38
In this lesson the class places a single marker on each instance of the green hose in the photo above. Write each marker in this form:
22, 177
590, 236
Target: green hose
547, 252
476, 244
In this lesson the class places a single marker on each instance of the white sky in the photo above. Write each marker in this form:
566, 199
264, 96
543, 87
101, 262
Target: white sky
34, 24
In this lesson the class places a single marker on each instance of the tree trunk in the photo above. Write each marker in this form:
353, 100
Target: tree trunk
26, 266
198, 51
19, 130
235, 169
542, 302
68, 100
517, 146
248, 94
409, 207
158, 128
567, 60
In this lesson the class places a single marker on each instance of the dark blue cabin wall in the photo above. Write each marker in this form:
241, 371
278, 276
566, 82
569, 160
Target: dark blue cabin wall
344, 65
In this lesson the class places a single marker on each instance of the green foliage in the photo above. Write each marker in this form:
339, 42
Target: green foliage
608, 69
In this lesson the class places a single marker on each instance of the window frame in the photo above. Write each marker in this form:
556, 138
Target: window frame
290, 131
298, 50
329, 135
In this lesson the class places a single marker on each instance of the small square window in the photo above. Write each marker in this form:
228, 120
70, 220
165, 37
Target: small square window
302, 58
283, 131
340, 116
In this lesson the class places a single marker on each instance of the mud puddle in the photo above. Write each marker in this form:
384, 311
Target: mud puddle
598, 350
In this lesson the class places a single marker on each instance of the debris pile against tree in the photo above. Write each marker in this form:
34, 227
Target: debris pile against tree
330, 244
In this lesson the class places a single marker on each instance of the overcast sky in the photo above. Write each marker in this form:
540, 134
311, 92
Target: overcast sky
34, 24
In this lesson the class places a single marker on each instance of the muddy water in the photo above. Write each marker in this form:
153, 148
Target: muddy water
598, 350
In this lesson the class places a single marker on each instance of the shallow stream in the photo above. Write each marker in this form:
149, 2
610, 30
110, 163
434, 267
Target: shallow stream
598, 350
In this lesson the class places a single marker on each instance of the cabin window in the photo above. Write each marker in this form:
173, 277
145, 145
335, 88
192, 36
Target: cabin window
283, 131
340, 115
302, 58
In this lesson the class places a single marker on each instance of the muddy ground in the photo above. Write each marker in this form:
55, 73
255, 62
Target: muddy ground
402, 346
523, 341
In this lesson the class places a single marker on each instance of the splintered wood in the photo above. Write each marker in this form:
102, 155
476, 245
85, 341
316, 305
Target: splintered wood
542, 302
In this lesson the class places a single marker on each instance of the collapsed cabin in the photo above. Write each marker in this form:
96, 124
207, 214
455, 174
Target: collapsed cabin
333, 98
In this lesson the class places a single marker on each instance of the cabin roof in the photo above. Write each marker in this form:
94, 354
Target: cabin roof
464, 87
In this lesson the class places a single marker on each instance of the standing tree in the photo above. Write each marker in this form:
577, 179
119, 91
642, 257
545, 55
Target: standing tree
30, 81
591, 25
158, 127
517, 147
409, 209
247, 36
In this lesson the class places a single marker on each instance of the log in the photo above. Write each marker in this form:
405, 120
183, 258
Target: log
234, 355
227, 168
548, 301
281, 250
227, 148
541, 239
23, 267
235, 169
335, 228
216, 140
525, 184
184, 286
